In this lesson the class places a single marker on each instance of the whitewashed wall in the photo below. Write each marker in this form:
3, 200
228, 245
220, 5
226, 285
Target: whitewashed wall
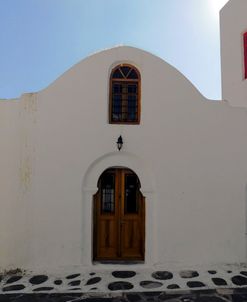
16, 162
189, 153
233, 23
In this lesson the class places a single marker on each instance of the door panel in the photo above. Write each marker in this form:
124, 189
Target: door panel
119, 217
108, 238
131, 239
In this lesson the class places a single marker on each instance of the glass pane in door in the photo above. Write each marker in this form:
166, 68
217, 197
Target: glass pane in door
108, 193
130, 194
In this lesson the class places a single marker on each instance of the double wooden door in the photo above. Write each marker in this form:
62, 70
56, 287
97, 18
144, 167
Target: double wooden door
119, 217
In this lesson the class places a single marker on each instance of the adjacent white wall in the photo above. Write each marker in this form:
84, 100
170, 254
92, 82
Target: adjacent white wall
8, 178
16, 162
233, 23
189, 153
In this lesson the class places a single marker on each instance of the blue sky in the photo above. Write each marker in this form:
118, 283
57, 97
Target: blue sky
41, 39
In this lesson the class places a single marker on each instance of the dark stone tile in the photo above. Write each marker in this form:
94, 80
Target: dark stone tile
193, 284
243, 273
93, 299
75, 288
92, 274
67, 299
219, 281
188, 274
151, 294
240, 291
123, 274
173, 286
133, 297
17, 298
120, 285
13, 279
150, 284
227, 298
119, 299
162, 275
166, 297
75, 283
10, 297
93, 280
13, 287
93, 288
44, 288
239, 298
58, 282
40, 297
229, 272
212, 272
239, 280
210, 299
38, 279
73, 276
190, 298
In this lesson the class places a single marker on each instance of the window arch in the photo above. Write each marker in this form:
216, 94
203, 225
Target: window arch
124, 95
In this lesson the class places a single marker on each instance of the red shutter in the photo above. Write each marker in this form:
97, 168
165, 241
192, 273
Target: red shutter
245, 55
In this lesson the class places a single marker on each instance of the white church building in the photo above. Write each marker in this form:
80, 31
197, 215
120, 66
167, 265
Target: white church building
123, 161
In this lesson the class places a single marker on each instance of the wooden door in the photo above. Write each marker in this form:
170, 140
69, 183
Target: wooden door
119, 217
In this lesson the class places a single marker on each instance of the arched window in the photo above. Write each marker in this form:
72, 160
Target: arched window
245, 55
124, 94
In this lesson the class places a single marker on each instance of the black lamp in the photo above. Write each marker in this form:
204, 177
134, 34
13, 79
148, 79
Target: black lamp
119, 143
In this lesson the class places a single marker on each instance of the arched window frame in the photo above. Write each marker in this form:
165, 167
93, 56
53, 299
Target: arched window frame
245, 54
125, 80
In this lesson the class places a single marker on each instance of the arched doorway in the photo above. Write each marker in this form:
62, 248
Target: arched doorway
119, 217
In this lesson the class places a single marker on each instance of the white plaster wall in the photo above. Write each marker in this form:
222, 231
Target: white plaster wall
188, 152
17, 125
8, 179
233, 23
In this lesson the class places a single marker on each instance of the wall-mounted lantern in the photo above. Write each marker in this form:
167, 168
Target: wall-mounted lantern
119, 143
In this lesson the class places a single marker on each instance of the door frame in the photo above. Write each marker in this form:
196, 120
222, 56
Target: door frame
89, 187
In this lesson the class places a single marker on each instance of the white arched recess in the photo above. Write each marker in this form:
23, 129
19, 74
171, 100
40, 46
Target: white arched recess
136, 164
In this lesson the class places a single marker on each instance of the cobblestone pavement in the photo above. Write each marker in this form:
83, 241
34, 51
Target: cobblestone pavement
127, 285
223, 295
110, 281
